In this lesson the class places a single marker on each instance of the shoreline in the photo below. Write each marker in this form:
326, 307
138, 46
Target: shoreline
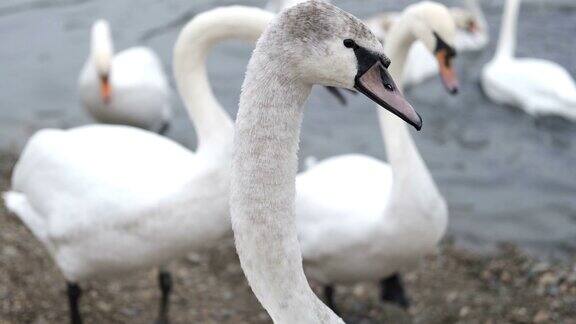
457, 285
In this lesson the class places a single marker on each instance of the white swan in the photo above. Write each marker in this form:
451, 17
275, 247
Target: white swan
537, 86
472, 35
361, 219
128, 88
109, 200
310, 43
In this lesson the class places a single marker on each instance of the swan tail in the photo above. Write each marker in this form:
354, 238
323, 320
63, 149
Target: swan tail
310, 162
18, 204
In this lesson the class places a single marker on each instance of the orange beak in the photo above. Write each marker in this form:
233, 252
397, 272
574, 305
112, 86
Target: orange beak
105, 89
447, 72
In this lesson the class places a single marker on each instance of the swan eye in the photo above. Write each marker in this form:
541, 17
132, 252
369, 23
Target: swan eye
349, 43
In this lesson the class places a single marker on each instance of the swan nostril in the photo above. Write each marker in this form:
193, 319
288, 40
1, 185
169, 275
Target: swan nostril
388, 87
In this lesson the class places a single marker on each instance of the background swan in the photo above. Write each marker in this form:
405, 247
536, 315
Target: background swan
472, 35
537, 86
310, 43
361, 219
128, 88
109, 200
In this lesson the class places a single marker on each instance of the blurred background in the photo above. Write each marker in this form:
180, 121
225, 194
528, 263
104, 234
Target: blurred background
507, 177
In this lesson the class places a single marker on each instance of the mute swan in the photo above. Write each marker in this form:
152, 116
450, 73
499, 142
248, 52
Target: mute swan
128, 88
472, 35
110, 200
310, 43
537, 86
360, 219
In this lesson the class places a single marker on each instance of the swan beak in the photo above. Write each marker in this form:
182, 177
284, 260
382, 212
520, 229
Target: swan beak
336, 92
105, 88
377, 84
447, 72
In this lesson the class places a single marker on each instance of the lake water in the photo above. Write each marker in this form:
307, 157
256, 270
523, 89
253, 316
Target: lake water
506, 176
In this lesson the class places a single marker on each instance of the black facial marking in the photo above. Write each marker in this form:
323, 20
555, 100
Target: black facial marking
366, 58
442, 45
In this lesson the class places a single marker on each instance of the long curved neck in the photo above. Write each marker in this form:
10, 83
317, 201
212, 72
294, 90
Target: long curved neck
401, 151
507, 41
264, 168
101, 46
212, 123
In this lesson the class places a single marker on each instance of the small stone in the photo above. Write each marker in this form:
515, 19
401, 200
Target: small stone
359, 291
194, 258
548, 279
227, 295
40, 320
506, 277
521, 311
9, 251
540, 267
541, 317
451, 296
105, 307
464, 311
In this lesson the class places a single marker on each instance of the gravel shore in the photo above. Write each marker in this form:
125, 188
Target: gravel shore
456, 286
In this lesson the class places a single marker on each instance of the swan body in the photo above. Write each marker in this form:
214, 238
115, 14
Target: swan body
107, 200
341, 216
537, 86
139, 94
94, 208
361, 219
421, 64
310, 43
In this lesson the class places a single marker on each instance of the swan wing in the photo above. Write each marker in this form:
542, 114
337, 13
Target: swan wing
339, 200
538, 86
91, 177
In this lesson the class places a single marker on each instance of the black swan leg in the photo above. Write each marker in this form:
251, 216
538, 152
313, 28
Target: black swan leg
74, 293
392, 290
165, 283
329, 297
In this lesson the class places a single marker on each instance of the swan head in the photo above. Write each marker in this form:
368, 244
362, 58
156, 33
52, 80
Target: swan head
465, 20
102, 54
325, 45
433, 24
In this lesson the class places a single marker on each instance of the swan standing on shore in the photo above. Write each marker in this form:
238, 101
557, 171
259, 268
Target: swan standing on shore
128, 88
310, 43
472, 35
361, 219
110, 200
537, 86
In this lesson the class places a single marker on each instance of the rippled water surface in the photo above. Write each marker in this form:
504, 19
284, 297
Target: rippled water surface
506, 176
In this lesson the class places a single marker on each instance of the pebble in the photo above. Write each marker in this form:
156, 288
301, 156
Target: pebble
451, 296
9, 251
541, 317
40, 320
